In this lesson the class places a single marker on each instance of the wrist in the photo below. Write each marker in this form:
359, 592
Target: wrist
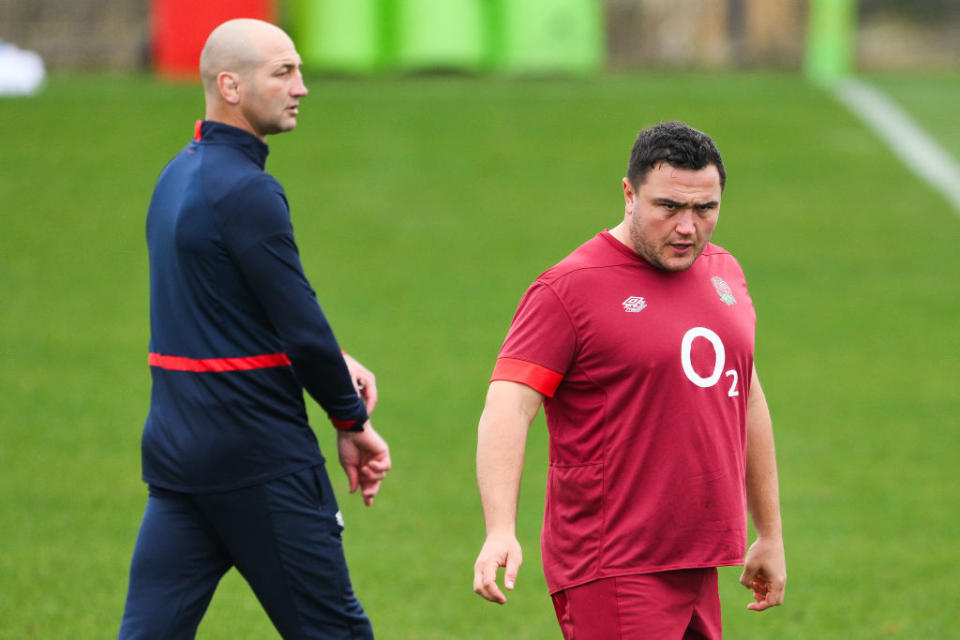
502, 531
767, 526
773, 538
357, 430
349, 426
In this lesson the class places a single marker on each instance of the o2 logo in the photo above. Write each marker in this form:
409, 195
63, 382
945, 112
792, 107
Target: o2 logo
720, 359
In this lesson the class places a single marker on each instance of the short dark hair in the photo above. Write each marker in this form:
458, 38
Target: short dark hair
678, 145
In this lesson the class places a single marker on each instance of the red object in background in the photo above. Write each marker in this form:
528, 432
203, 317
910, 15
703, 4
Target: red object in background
179, 29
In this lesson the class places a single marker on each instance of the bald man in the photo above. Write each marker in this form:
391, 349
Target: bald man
235, 474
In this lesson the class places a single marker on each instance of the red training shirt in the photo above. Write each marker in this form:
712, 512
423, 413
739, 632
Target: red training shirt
646, 375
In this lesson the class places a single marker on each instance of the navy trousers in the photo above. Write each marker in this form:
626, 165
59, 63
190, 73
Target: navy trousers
282, 536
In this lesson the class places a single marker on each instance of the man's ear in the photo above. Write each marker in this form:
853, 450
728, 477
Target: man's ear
228, 83
629, 196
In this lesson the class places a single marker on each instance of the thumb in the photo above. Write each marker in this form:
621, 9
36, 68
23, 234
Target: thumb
353, 476
512, 567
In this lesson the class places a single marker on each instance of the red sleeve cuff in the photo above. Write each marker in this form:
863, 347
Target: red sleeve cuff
347, 425
533, 375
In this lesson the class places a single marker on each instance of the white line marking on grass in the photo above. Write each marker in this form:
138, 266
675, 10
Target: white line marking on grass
915, 147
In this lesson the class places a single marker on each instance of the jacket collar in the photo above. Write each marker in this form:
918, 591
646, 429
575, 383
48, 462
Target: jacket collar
212, 132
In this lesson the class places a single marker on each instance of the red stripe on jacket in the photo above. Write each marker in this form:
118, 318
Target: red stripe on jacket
176, 363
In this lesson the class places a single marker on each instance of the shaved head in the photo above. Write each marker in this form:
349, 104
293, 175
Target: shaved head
251, 77
237, 46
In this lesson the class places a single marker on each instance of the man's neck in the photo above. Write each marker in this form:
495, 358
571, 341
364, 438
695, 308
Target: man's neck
622, 234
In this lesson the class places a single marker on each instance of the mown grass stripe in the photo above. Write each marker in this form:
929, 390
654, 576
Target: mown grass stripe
931, 162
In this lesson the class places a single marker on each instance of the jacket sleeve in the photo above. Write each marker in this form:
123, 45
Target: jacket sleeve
259, 236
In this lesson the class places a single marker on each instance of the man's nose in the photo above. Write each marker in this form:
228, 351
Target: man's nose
299, 88
685, 225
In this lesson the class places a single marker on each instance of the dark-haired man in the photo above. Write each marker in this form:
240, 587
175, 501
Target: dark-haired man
639, 344
235, 474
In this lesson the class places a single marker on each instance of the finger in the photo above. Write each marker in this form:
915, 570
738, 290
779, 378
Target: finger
369, 491
353, 477
488, 582
374, 472
379, 466
370, 469
514, 561
478, 580
485, 582
763, 605
366, 385
369, 395
759, 593
748, 577
775, 593
370, 487
766, 594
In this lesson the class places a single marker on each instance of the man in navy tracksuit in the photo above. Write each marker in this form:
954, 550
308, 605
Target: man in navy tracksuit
235, 474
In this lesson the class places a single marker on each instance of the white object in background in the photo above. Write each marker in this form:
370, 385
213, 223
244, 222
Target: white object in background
21, 72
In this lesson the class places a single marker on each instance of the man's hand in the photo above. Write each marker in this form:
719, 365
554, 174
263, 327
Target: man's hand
365, 457
765, 571
363, 381
497, 551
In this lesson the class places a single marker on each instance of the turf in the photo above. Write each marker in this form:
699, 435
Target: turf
423, 207
931, 99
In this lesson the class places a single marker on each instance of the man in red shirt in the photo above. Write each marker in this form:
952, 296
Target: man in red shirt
639, 344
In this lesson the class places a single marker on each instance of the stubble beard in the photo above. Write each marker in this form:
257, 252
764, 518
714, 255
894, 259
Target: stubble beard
651, 253
272, 124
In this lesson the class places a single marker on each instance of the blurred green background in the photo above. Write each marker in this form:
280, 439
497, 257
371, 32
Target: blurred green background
438, 198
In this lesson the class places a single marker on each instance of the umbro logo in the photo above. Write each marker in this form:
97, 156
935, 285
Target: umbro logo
634, 304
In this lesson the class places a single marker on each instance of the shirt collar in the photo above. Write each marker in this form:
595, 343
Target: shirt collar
212, 132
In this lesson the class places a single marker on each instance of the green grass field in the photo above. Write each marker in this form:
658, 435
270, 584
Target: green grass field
931, 99
438, 200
